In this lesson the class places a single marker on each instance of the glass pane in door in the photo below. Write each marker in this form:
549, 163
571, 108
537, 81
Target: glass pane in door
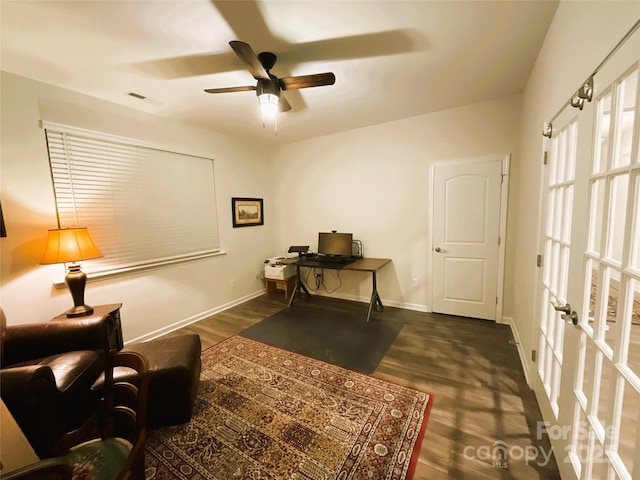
634, 260
618, 190
603, 133
568, 211
592, 368
633, 350
626, 111
592, 284
606, 325
605, 394
597, 214
628, 438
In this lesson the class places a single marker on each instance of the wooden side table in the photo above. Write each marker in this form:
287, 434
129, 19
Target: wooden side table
288, 284
113, 310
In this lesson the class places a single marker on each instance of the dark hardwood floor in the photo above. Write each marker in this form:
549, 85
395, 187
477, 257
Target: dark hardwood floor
484, 419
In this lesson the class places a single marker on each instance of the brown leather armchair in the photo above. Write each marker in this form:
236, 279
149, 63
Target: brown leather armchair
46, 373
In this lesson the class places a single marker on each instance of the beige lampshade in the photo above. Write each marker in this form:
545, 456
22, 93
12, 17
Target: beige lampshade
69, 245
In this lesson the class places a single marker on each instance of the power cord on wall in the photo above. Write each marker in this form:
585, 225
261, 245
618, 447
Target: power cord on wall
306, 280
319, 282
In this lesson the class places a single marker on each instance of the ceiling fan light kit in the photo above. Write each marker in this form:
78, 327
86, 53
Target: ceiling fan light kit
268, 96
268, 104
269, 87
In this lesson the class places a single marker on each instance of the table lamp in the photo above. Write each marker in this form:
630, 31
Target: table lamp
71, 245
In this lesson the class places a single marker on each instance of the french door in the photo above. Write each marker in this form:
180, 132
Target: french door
588, 367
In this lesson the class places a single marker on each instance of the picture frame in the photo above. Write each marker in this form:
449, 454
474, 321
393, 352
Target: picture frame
3, 230
247, 212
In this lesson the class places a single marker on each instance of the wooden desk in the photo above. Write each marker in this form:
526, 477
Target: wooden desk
361, 265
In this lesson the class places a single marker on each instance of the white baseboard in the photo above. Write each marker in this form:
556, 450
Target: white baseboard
387, 303
409, 306
196, 318
221, 308
524, 359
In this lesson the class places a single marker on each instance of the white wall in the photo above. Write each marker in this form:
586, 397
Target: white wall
373, 182
580, 37
153, 300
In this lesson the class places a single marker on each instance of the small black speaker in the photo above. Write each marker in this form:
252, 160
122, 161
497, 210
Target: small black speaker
356, 249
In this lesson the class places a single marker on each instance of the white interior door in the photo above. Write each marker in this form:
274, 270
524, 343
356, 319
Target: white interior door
466, 238
588, 382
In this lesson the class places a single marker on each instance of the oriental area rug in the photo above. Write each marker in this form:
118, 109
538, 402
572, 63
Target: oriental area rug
267, 413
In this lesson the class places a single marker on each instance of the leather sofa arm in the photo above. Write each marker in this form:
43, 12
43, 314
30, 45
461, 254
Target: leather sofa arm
31, 395
36, 340
16, 379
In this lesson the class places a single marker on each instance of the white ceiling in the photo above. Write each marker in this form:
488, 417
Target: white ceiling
392, 59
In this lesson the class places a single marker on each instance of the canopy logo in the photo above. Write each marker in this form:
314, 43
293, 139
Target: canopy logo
499, 454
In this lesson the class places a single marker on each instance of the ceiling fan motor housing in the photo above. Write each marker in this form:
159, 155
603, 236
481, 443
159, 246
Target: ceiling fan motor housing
268, 86
267, 59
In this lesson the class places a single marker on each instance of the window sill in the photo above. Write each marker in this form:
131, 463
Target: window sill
97, 276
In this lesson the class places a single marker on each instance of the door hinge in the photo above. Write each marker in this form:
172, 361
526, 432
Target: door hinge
499, 240
539, 261
545, 157
496, 300
534, 355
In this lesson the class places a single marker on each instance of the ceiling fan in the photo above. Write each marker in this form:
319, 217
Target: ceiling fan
269, 87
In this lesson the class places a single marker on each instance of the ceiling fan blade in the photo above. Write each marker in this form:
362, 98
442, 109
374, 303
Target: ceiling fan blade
283, 105
230, 89
249, 57
306, 81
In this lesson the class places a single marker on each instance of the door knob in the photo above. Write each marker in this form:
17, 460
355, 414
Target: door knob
568, 315
438, 249
560, 308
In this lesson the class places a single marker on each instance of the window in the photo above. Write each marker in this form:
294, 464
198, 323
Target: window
142, 205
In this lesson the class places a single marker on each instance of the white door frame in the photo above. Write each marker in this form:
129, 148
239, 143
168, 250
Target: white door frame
504, 196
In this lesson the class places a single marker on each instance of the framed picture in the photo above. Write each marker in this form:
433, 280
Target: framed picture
247, 211
3, 231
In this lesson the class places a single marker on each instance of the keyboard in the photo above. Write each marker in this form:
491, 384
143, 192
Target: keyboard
326, 261
332, 259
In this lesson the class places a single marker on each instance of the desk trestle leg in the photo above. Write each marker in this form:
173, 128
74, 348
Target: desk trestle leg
375, 303
299, 288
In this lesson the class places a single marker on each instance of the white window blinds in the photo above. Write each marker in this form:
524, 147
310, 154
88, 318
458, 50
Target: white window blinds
143, 206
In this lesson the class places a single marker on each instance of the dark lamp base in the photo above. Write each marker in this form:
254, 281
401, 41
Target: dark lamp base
79, 311
76, 280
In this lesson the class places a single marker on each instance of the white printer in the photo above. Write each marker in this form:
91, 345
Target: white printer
274, 269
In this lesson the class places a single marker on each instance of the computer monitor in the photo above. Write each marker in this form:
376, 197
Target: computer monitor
335, 244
